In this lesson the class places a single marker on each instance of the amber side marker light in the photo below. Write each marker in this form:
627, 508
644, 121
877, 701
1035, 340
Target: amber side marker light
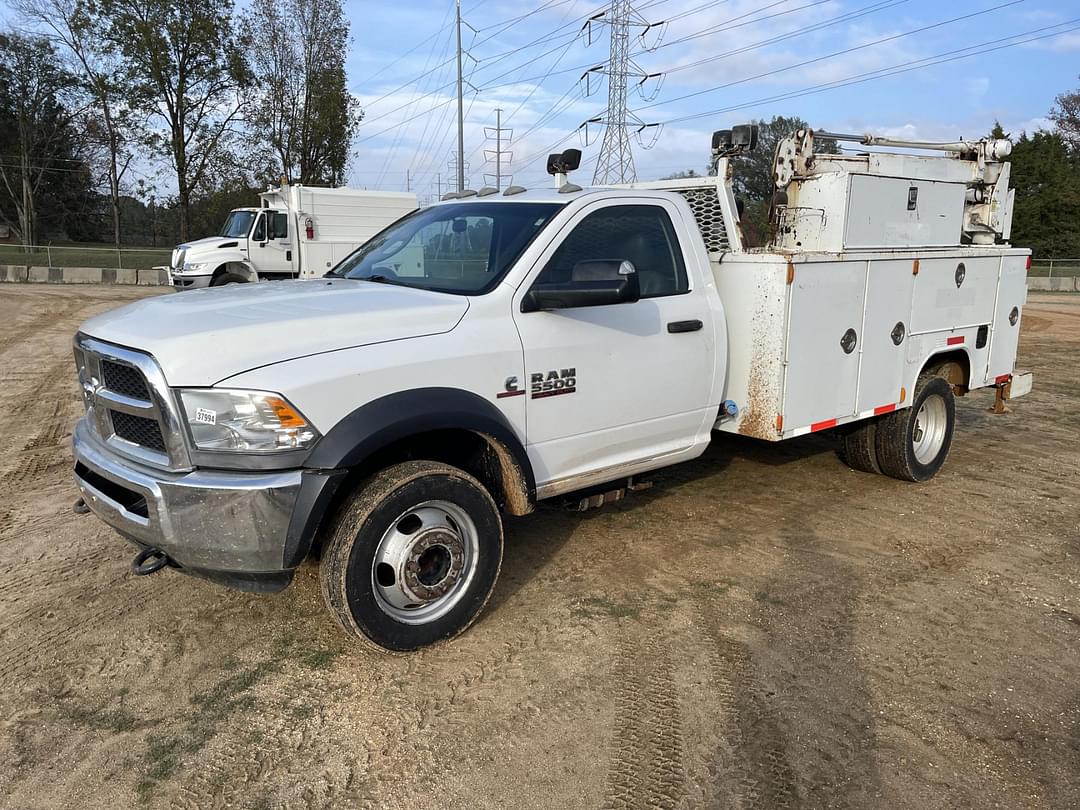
285, 413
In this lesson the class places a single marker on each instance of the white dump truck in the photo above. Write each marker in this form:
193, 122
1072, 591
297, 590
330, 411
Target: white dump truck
296, 232
501, 348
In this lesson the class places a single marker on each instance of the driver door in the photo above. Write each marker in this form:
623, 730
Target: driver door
614, 388
271, 245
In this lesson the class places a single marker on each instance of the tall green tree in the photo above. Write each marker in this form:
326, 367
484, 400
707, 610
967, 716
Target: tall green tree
1066, 118
79, 30
186, 70
753, 180
39, 104
1046, 177
302, 107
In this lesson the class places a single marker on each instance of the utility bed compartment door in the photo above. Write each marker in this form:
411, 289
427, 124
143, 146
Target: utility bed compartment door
821, 377
884, 212
889, 287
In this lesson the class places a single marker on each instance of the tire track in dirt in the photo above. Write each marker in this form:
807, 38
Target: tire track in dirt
647, 768
117, 602
752, 770
32, 329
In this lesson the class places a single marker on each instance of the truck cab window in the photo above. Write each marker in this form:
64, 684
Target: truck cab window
641, 234
238, 225
259, 234
463, 247
279, 225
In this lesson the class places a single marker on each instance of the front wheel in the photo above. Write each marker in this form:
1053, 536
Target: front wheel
412, 556
912, 444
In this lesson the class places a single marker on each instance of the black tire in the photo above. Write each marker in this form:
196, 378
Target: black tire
858, 446
380, 506
227, 278
896, 433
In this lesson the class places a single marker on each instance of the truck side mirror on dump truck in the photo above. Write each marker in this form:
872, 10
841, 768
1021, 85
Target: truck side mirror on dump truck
592, 284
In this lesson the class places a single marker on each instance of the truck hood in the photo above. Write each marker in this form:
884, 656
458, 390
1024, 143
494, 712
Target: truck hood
201, 337
202, 247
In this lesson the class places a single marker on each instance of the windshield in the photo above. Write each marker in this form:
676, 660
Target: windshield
463, 248
238, 224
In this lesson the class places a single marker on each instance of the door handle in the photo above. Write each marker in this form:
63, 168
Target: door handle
677, 327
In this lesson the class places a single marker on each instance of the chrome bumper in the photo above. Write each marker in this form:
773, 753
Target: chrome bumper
207, 521
184, 281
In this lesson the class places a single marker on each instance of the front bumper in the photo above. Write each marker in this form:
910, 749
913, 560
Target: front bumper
231, 527
187, 281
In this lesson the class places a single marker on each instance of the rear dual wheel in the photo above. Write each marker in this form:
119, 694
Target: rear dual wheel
412, 556
910, 444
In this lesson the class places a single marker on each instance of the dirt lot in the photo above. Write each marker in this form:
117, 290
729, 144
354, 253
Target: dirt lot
763, 629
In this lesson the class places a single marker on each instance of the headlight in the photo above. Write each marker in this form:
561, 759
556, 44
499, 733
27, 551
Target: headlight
195, 267
245, 421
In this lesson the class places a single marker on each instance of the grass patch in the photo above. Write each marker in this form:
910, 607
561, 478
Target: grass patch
165, 752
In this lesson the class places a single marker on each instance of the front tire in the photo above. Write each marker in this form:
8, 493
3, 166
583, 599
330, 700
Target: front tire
227, 278
412, 556
912, 444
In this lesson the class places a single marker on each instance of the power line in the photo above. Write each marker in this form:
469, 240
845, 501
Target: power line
832, 55
894, 70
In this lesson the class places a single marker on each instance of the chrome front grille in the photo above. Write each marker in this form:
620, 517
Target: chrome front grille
138, 430
124, 379
129, 405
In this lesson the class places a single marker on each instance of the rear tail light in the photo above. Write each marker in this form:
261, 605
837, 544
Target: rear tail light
1028, 266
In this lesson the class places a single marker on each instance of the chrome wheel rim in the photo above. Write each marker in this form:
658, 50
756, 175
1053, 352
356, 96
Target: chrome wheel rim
928, 432
424, 562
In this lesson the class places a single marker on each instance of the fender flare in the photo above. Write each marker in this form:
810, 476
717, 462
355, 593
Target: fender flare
377, 425
938, 353
388, 419
232, 265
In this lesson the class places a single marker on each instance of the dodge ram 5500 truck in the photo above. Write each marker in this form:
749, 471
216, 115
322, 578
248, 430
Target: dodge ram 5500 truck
496, 349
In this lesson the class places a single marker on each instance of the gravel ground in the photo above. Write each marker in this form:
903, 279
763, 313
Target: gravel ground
765, 628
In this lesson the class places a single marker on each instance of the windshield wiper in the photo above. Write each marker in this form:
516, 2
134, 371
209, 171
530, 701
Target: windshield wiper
379, 278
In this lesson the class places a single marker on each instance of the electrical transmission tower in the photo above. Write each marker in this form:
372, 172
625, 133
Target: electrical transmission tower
616, 161
500, 155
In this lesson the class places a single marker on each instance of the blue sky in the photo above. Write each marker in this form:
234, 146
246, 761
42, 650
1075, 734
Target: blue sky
722, 62
401, 68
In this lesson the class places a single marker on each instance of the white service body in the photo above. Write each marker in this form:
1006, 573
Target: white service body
297, 231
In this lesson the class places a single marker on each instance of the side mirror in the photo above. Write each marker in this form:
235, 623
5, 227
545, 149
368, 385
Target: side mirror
592, 284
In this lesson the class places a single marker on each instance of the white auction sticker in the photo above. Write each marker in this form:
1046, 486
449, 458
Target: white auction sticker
206, 416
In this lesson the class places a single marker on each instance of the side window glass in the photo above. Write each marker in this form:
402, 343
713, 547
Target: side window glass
641, 234
279, 225
259, 234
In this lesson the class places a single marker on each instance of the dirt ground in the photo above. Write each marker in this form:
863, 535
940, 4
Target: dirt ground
763, 629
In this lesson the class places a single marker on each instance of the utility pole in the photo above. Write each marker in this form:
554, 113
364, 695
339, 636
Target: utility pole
438, 183
500, 156
460, 110
408, 181
616, 161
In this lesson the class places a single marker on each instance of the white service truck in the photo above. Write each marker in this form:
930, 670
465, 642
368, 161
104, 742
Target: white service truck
497, 349
297, 231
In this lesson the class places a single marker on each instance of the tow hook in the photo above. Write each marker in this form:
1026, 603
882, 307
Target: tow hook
149, 561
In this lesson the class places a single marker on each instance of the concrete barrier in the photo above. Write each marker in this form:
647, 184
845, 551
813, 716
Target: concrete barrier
82, 275
1060, 284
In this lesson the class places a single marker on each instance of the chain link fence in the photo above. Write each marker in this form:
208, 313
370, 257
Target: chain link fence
122, 258
1054, 268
